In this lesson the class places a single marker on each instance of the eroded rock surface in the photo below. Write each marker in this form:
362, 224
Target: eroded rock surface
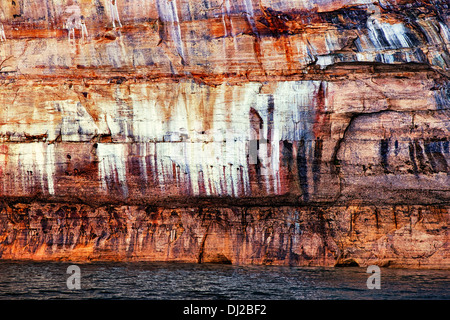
236, 131
399, 236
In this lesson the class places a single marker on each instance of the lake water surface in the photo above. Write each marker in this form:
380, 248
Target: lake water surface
176, 281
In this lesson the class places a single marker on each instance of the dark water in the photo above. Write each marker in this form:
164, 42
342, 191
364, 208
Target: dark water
173, 281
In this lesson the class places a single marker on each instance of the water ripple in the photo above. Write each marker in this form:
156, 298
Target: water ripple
174, 281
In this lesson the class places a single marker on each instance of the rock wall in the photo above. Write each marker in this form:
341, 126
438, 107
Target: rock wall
276, 132
398, 236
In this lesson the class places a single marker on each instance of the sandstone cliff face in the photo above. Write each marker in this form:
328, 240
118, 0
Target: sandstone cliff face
398, 236
237, 131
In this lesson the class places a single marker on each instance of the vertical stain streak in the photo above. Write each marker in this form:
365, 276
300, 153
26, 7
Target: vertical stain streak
394, 212
413, 158
430, 155
441, 162
202, 245
256, 126
376, 217
287, 168
419, 156
270, 124
302, 169
251, 21
322, 124
317, 162
384, 151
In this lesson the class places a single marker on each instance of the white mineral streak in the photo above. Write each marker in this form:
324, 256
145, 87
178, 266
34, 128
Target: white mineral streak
114, 13
77, 123
294, 107
445, 32
250, 14
395, 34
112, 168
2, 33
30, 168
211, 158
50, 168
168, 12
324, 61
384, 41
75, 21
190, 139
309, 4
215, 161
227, 14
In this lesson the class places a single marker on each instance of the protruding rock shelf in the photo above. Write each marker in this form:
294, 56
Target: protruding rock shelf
232, 131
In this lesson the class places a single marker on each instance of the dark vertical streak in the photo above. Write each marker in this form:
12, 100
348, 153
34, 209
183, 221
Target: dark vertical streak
396, 147
317, 162
430, 157
433, 149
420, 156
413, 158
395, 217
376, 218
384, 151
202, 245
287, 161
256, 124
322, 124
201, 183
302, 169
270, 111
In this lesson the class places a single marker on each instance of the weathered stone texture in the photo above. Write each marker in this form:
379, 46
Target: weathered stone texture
398, 236
242, 131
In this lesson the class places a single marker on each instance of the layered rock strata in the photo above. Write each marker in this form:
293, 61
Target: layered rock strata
275, 132
389, 236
